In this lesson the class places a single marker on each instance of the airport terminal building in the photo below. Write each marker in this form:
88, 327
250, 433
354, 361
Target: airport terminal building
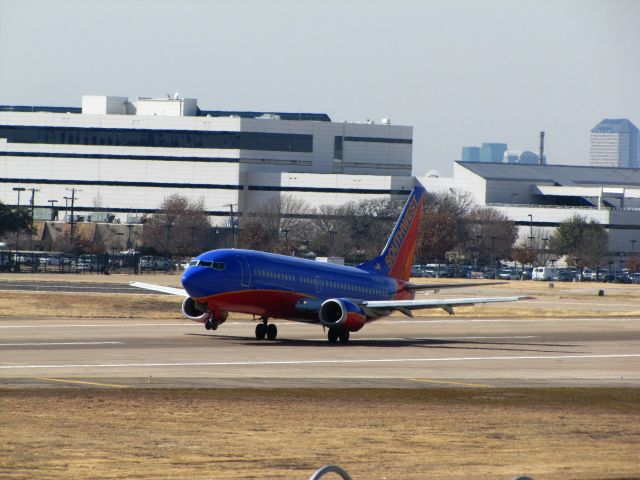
123, 158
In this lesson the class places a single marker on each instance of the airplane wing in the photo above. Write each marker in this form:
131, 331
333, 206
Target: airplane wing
447, 304
160, 288
439, 286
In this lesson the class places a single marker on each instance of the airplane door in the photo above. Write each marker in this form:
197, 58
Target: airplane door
245, 278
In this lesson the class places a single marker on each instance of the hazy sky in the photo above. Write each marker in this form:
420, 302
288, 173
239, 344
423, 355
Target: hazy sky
460, 72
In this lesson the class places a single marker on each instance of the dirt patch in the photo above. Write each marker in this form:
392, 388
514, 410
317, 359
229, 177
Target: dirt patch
242, 434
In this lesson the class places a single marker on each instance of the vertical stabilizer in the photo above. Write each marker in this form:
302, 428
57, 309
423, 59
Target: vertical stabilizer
397, 256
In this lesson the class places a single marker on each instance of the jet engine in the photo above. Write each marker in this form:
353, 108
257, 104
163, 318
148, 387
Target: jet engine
343, 314
198, 312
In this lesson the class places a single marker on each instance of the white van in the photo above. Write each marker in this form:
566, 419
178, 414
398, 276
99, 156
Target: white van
544, 273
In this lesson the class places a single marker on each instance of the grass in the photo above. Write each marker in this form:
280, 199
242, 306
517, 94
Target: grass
278, 434
94, 305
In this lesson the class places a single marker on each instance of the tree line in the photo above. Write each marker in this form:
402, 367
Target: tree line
452, 228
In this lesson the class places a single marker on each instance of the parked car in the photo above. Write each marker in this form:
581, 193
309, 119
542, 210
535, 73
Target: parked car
567, 275
544, 273
507, 274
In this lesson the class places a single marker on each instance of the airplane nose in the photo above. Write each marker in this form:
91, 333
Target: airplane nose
194, 280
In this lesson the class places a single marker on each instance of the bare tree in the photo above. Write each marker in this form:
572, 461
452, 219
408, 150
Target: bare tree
329, 231
492, 235
179, 227
524, 254
283, 225
443, 227
368, 224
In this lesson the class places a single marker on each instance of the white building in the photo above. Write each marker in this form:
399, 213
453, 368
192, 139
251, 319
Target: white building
539, 197
614, 143
125, 157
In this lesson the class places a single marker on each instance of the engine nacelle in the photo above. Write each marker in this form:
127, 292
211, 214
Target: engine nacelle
198, 312
342, 313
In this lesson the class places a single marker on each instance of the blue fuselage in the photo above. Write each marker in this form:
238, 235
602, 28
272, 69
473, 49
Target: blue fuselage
267, 284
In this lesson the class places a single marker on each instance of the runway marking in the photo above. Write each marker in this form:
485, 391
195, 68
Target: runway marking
449, 382
35, 344
320, 362
519, 319
415, 339
61, 380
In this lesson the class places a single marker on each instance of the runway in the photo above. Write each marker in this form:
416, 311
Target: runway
71, 286
394, 353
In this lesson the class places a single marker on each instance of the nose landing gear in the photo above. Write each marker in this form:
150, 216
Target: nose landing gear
266, 329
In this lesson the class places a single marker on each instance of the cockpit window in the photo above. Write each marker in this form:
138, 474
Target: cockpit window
208, 263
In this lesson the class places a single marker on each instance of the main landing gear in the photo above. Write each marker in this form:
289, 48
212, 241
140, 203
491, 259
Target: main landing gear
211, 323
337, 335
266, 329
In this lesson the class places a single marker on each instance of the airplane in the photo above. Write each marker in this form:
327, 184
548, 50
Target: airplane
340, 298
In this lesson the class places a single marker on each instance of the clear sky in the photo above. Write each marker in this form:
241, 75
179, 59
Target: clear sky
461, 72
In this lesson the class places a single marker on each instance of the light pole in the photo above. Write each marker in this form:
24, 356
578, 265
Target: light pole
66, 208
168, 226
73, 200
286, 240
33, 206
478, 241
544, 250
53, 209
493, 249
530, 230
332, 234
17, 265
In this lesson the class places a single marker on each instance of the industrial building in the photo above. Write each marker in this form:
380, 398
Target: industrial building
539, 197
116, 160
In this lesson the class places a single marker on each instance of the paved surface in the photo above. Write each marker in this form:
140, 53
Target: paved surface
84, 287
396, 352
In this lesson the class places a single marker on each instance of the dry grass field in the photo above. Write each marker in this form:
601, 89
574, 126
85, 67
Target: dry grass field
287, 434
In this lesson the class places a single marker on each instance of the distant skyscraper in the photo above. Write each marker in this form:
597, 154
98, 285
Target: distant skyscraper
492, 152
614, 143
470, 154
488, 153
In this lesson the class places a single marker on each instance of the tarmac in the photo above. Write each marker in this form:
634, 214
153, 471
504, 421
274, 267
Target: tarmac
396, 352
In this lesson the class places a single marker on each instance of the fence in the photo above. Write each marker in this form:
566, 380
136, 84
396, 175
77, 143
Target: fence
47, 262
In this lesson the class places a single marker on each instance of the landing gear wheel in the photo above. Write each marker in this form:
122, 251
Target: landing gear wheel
332, 335
261, 331
272, 331
343, 336
207, 324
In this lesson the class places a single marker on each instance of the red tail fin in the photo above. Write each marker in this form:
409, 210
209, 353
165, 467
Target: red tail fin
397, 256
